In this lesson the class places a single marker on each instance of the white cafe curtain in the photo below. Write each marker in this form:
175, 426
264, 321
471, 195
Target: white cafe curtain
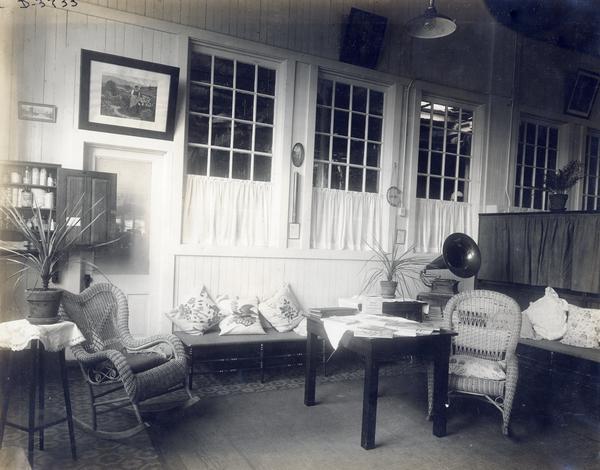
437, 219
222, 212
345, 220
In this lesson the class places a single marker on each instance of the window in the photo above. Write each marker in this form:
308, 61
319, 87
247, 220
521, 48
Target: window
537, 153
231, 118
445, 149
348, 137
591, 182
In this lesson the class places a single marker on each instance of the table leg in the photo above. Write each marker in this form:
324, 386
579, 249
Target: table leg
41, 395
310, 377
6, 389
65, 384
440, 384
32, 388
369, 414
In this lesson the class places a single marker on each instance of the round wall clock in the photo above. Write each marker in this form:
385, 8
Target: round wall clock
298, 154
394, 196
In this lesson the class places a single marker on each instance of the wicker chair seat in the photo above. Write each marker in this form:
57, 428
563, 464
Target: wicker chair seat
493, 388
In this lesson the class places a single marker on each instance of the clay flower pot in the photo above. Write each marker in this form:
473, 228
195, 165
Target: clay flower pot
43, 305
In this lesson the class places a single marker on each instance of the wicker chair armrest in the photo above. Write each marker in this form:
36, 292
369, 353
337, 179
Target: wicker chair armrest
139, 344
90, 359
512, 364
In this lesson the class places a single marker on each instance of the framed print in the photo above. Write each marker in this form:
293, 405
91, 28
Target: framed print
583, 94
298, 154
127, 96
37, 112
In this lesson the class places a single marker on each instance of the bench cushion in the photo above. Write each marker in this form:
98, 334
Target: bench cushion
214, 339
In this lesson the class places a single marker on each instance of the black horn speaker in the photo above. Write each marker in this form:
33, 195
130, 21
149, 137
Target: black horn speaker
460, 254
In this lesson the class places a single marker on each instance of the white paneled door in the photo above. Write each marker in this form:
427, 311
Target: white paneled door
132, 262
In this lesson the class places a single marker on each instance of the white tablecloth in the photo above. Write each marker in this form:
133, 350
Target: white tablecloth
16, 335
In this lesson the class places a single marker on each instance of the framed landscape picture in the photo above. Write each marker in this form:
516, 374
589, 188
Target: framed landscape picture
127, 96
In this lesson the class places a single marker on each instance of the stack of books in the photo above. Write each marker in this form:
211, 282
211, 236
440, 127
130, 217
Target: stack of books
326, 312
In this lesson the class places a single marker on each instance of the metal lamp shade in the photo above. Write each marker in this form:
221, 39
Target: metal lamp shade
430, 25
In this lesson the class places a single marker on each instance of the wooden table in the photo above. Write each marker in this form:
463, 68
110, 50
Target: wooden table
373, 351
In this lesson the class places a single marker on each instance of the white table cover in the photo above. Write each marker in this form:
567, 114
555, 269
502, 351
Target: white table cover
16, 335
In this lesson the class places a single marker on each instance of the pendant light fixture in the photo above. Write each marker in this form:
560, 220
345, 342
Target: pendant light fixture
431, 24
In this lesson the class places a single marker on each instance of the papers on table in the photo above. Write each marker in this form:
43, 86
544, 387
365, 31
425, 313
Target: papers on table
373, 326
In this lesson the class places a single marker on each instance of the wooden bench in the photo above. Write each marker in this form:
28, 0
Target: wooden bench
229, 353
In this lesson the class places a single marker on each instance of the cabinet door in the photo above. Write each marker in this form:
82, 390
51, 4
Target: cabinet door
84, 196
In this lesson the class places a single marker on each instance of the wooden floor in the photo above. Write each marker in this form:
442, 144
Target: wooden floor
274, 430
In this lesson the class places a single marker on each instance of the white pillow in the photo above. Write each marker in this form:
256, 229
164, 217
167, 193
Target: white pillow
301, 328
282, 310
527, 328
469, 366
240, 316
583, 327
548, 315
197, 315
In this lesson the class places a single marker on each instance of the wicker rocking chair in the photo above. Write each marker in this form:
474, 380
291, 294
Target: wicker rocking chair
143, 368
488, 325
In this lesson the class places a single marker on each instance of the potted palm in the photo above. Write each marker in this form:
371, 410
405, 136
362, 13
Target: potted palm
396, 271
46, 248
560, 181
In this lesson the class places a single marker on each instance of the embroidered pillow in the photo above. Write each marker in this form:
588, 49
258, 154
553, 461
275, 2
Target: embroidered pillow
196, 316
583, 327
469, 366
240, 316
548, 315
282, 310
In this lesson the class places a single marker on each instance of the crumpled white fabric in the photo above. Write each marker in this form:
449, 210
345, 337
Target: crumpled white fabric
17, 334
548, 315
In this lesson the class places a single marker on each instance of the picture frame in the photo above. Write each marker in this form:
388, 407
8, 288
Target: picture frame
583, 94
127, 96
37, 112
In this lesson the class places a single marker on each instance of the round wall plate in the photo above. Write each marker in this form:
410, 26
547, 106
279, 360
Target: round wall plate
394, 196
298, 154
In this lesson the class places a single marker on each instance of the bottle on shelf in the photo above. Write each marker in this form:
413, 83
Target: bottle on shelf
26, 198
35, 176
50, 180
27, 176
43, 177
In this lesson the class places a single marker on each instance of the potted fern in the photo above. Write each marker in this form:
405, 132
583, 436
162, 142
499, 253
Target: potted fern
396, 271
560, 181
46, 248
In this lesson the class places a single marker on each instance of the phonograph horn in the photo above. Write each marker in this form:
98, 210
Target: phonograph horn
460, 254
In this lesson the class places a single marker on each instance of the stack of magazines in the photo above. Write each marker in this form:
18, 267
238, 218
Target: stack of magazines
326, 312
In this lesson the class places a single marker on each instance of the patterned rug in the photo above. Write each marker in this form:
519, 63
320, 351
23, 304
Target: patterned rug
138, 452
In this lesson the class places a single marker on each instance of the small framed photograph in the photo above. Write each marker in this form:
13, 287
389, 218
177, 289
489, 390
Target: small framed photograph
583, 94
37, 112
127, 96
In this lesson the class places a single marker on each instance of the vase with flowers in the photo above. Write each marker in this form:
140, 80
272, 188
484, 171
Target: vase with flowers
558, 183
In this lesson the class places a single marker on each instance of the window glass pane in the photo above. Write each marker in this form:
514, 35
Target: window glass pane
375, 128
542, 136
197, 160
423, 161
223, 72
594, 146
264, 110
452, 141
219, 163
538, 182
266, 81
340, 123
321, 175
450, 166
357, 152
464, 167
465, 144
540, 157
198, 129
529, 152
526, 202
242, 136
518, 174
527, 176
436, 163
321, 147
221, 132
263, 139
437, 139
552, 159
424, 137
244, 106
373, 151
422, 187
199, 98
435, 186
222, 100
449, 191
359, 99
342, 95
323, 119
338, 177
244, 78
262, 168
355, 179
340, 149
324, 88
200, 67
461, 194
372, 181
241, 166
358, 126
553, 142
376, 102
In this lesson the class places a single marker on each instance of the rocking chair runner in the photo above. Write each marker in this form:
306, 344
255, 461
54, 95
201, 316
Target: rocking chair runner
143, 367
488, 325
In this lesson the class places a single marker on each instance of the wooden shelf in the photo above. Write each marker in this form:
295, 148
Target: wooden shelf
28, 186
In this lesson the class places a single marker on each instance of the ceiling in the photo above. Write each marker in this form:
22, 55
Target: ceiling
573, 24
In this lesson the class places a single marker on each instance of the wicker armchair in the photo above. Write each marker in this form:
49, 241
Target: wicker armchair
141, 367
488, 325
